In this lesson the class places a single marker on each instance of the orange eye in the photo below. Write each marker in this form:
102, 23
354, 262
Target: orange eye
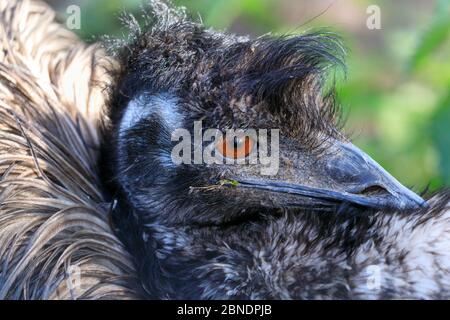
236, 147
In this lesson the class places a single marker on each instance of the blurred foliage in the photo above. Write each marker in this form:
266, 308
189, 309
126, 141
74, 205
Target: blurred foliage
440, 135
438, 31
396, 96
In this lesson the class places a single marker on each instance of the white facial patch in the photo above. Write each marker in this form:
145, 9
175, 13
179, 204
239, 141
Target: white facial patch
143, 106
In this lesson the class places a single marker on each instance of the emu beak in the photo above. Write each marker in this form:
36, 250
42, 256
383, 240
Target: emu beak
354, 177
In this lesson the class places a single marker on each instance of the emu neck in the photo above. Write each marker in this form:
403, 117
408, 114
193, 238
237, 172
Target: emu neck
305, 256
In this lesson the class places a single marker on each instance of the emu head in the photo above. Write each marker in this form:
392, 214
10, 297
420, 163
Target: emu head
180, 217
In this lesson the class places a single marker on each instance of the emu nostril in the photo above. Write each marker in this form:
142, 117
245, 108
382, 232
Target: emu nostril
374, 190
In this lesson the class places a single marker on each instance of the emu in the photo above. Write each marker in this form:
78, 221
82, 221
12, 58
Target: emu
330, 224
195, 237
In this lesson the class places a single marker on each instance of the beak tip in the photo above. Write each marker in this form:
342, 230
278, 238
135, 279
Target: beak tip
410, 201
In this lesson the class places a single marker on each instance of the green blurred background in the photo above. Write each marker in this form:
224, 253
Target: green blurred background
396, 96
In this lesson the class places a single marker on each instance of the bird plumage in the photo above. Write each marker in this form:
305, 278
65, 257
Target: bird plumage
55, 237
54, 214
